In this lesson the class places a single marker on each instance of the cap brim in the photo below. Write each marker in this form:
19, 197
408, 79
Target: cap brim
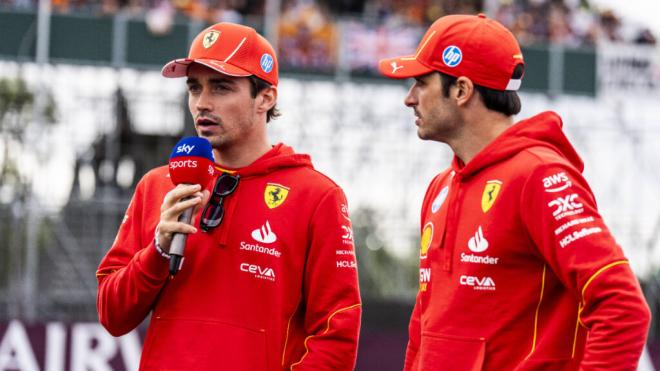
179, 67
402, 67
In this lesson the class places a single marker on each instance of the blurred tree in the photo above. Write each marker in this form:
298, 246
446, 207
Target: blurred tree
15, 102
16, 112
20, 111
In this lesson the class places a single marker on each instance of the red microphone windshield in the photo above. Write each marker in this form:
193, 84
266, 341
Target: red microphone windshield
191, 162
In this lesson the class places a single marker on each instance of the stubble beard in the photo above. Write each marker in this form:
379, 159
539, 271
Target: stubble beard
226, 140
439, 131
421, 134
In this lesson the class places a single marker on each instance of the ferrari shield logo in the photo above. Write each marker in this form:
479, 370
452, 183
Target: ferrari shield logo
275, 194
210, 38
489, 196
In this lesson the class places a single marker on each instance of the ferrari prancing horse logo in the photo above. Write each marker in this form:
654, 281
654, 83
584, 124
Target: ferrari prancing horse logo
491, 191
275, 194
210, 38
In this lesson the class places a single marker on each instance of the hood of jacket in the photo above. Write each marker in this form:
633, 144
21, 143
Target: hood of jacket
278, 157
542, 130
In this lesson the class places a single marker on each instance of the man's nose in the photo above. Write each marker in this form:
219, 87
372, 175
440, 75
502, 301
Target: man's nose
204, 102
411, 98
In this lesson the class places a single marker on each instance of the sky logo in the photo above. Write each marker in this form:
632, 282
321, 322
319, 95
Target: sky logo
452, 56
185, 148
267, 63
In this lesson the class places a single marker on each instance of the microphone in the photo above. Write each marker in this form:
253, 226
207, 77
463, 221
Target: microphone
191, 162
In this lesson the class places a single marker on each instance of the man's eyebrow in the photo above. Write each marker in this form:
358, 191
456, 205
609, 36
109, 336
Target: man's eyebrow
221, 80
213, 80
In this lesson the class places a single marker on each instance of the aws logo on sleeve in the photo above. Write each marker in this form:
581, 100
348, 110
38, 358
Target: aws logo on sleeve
557, 182
275, 194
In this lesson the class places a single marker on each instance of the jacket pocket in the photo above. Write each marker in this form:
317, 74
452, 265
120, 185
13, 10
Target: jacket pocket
200, 345
451, 353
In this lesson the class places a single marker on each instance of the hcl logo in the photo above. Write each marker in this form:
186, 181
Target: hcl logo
452, 56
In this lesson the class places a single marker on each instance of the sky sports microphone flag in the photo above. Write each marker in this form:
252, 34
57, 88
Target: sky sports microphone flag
191, 162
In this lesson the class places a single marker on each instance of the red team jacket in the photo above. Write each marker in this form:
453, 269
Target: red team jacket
273, 287
517, 269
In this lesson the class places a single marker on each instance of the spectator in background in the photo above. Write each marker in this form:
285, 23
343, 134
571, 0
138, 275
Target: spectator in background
213, 11
564, 22
610, 26
160, 18
415, 12
227, 11
308, 29
645, 37
307, 36
559, 27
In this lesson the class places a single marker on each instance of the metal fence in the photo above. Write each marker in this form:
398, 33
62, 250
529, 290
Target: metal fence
49, 259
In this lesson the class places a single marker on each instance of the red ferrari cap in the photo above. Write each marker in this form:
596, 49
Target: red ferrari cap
474, 46
230, 49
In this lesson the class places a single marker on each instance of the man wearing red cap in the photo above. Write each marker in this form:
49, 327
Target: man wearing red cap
517, 269
270, 278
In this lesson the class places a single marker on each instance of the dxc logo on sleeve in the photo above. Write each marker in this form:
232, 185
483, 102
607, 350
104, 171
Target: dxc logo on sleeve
566, 206
347, 235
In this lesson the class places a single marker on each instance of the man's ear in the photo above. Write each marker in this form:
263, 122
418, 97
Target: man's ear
266, 99
464, 91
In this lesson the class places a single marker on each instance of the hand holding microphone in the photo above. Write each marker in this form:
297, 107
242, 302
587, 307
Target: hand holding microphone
191, 168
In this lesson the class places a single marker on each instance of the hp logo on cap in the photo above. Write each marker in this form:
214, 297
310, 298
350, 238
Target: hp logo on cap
452, 56
266, 63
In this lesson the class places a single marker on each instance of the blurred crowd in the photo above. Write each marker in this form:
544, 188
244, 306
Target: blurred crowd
309, 30
321, 34
566, 22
